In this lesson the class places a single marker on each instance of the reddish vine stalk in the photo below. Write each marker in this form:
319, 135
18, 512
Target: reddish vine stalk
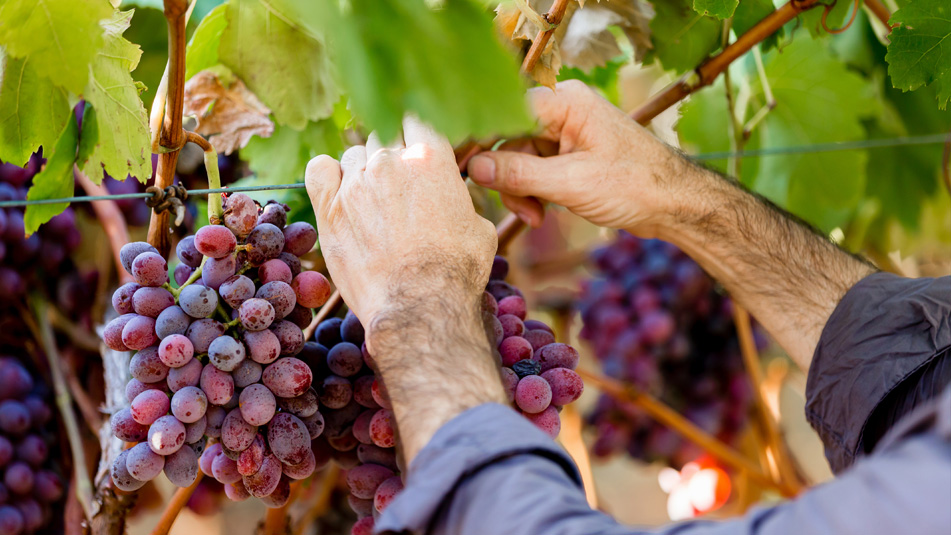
175, 505
553, 17
171, 138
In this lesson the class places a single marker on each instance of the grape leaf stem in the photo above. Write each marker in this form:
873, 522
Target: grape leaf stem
191, 278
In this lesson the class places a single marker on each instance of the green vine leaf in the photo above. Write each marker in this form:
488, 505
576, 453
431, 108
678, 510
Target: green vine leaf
55, 181
446, 65
812, 18
202, 52
920, 50
287, 67
750, 12
818, 100
115, 137
682, 37
721, 9
61, 36
282, 157
32, 110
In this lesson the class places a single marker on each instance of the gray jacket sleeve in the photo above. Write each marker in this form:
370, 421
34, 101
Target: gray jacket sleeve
884, 351
490, 472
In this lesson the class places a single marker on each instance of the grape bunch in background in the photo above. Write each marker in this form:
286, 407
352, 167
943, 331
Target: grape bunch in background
215, 357
537, 373
42, 259
655, 320
30, 485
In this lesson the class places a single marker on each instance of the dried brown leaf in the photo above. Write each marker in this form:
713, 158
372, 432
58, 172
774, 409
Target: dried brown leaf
229, 113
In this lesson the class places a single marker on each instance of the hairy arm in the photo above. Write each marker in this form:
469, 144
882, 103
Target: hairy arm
789, 276
433, 352
614, 173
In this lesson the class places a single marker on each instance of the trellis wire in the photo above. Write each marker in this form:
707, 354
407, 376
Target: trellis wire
708, 156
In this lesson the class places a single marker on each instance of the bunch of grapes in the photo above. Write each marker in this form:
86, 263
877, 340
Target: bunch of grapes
655, 319
29, 483
538, 375
215, 357
21, 255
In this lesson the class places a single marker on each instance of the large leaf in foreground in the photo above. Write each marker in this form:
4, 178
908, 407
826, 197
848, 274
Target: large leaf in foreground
920, 50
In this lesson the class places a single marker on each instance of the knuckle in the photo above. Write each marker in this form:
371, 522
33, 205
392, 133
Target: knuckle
516, 175
573, 87
382, 161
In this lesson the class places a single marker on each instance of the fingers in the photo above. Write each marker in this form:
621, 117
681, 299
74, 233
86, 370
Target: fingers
528, 209
554, 108
353, 162
374, 144
322, 179
416, 131
522, 175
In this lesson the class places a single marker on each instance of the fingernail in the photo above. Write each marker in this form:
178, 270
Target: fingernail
482, 170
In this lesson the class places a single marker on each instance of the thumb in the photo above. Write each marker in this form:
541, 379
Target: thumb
322, 179
519, 174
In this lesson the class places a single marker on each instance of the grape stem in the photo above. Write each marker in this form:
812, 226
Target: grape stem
233, 322
64, 403
191, 278
553, 18
328, 482
215, 209
175, 505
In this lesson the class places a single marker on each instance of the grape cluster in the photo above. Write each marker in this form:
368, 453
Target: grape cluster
216, 358
655, 319
536, 371
48, 249
29, 483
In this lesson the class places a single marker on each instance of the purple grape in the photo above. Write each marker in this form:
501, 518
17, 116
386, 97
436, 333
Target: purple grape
247, 373
130, 251
315, 424
236, 433
274, 214
122, 298
288, 438
289, 336
263, 346
149, 406
365, 479
566, 385
236, 290
187, 252
299, 238
124, 427
139, 332
176, 350
292, 262
265, 242
225, 470
240, 214
150, 269
172, 320
280, 295
182, 273
256, 314
166, 435
14, 417
195, 431
328, 332
198, 301
189, 404
275, 270
181, 467
250, 460
302, 406
257, 404
143, 463
300, 316
226, 353
557, 356
217, 385
187, 375
217, 271
311, 289
203, 332
533, 394
146, 366
266, 479
215, 241
215, 418
121, 477
288, 377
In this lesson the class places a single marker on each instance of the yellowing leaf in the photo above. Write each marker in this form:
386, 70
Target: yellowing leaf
32, 110
117, 137
287, 67
61, 36
55, 181
229, 114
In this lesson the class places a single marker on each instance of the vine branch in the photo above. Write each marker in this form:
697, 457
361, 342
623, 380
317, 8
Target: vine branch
553, 18
175, 505
171, 136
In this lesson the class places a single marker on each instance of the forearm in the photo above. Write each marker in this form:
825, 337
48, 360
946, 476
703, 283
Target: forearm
789, 277
434, 357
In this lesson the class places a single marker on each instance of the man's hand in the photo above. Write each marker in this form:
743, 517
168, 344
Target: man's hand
411, 258
397, 222
608, 170
614, 173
